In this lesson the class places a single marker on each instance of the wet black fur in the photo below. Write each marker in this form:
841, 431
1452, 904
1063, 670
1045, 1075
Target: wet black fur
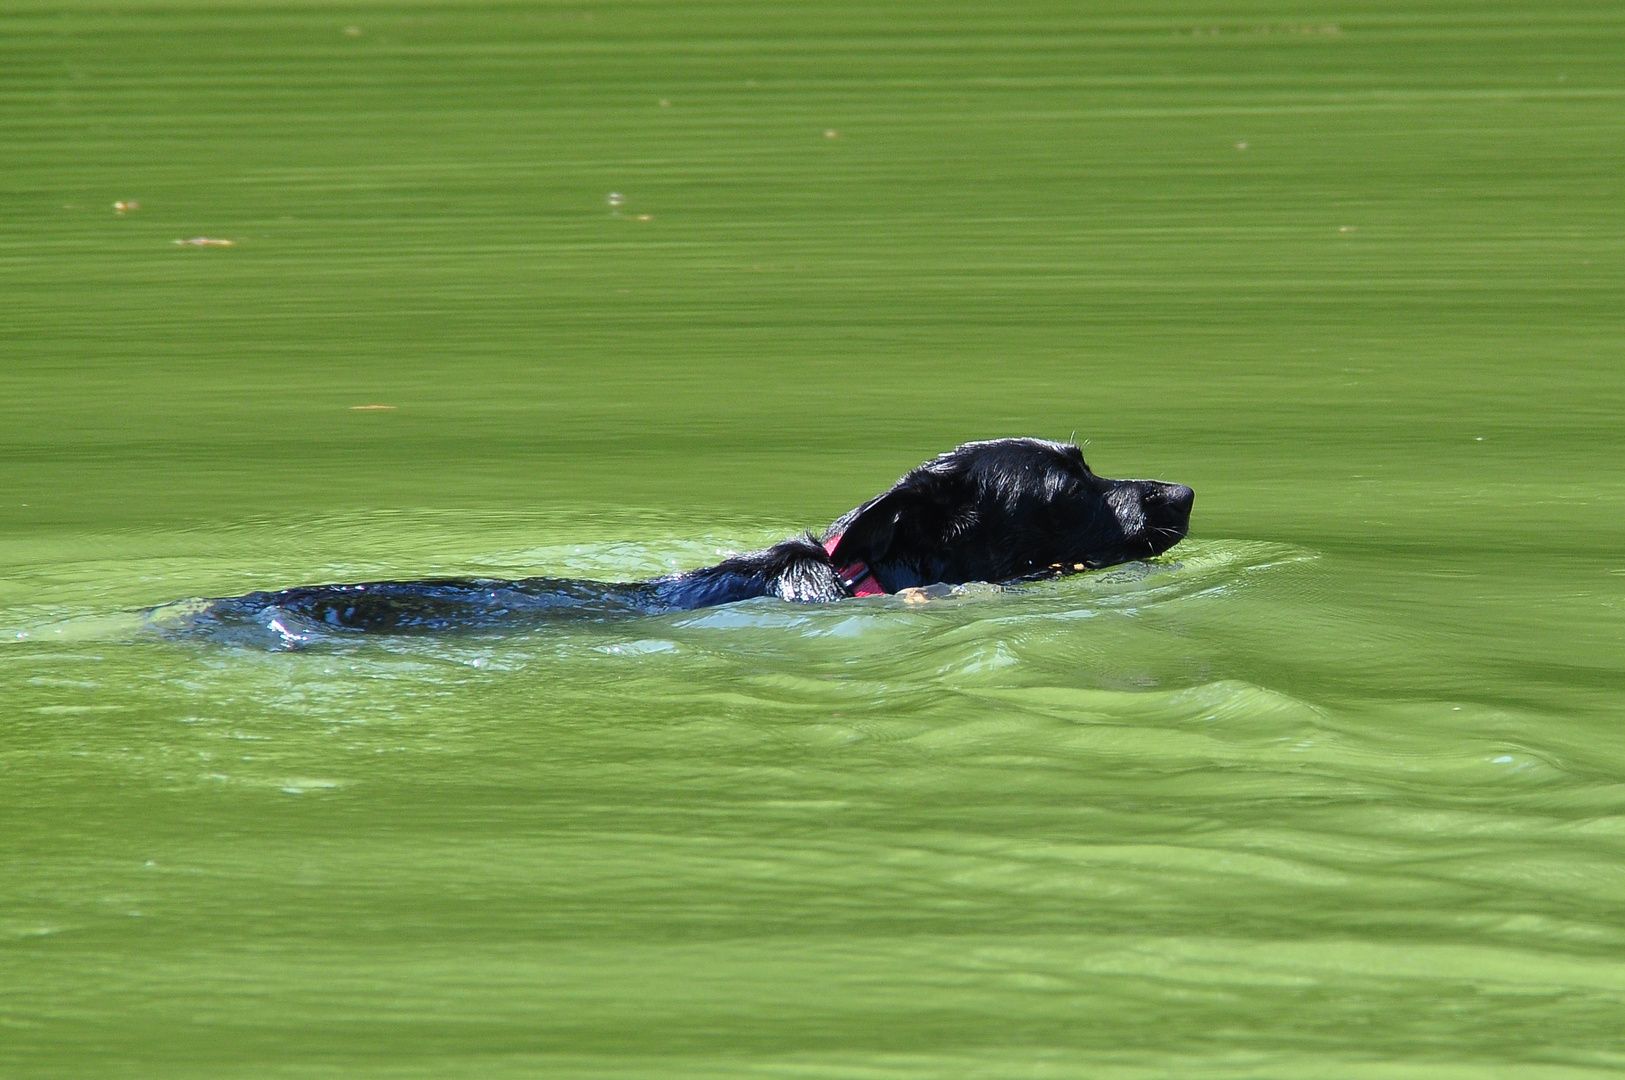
988, 511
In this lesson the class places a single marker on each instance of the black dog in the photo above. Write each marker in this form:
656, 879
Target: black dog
1003, 510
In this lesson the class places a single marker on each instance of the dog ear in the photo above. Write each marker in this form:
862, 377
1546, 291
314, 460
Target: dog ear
911, 517
868, 531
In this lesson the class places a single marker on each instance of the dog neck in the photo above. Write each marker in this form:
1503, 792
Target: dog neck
857, 576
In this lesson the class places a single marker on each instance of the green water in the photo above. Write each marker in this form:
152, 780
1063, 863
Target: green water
1333, 790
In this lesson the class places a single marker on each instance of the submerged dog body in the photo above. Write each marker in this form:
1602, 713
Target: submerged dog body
1000, 510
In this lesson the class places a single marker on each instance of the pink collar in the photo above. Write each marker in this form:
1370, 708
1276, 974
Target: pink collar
857, 577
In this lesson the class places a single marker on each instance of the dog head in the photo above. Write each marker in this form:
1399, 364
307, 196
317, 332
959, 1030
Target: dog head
1008, 508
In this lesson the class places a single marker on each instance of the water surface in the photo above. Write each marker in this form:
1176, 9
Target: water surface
1332, 789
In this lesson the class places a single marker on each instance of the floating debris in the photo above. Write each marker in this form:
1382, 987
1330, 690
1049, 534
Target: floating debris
370, 408
125, 206
1346, 228
665, 103
206, 241
1241, 146
352, 31
831, 133
644, 217
1293, 28
615, 198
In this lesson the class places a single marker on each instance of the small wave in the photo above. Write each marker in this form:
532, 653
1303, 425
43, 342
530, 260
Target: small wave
1194, 569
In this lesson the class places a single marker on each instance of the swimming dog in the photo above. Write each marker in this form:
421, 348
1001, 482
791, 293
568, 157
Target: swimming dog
995, 511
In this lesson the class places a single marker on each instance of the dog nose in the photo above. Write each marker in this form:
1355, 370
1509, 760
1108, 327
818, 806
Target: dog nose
1179, 497
1169, 503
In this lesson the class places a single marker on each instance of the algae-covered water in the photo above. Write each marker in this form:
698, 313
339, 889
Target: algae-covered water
1334, 789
